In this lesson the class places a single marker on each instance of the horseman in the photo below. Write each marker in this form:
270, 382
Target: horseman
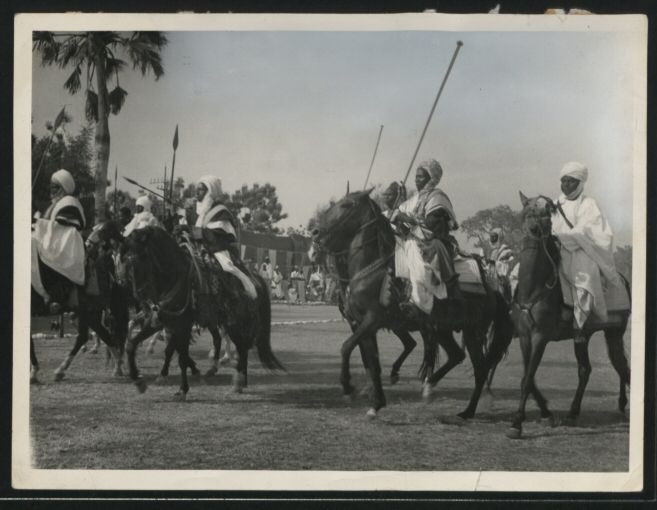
216, 228
58, 256
502, 260
426, 255
143, 217
587, 262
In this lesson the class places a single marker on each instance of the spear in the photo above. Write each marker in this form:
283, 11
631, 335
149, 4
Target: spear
433, 108
173, 164
426, 125
116, 183
376, 148
131, 181
61, 116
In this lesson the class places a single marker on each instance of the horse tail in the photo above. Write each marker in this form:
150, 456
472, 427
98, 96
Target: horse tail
501, 337
263, 336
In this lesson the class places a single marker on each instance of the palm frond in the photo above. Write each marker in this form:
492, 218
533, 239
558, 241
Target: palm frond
70, 49
116, 99
91, 106
113, 65
73, 82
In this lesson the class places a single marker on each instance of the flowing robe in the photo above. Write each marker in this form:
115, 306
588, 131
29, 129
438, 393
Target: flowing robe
587, 262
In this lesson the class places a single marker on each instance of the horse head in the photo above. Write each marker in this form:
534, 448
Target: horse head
151, 263
537, 215
338, 225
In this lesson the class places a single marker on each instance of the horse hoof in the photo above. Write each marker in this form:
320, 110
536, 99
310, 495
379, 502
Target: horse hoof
371, 413
465, 416
180, 396
141, 385
59, 376
196, 373
83, 348
34, 379
211, 371
237, 389
427, 392
225, 361
570, 421
394, 378
93, 350
211, 353
513, 433
117, 372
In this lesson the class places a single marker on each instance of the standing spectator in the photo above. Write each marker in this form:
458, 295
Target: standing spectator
330, 285
316, 284
299, 283
267, 272
276, 284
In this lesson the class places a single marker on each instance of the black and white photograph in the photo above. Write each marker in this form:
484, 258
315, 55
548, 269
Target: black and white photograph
329, 252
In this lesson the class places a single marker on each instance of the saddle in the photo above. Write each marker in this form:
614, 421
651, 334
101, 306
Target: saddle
215, 292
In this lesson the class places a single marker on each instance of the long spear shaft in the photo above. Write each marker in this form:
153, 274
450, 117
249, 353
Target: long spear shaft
173, 166
433, 108
116, 183
131, 181
376, 148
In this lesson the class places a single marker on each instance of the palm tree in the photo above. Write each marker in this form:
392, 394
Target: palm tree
96, 54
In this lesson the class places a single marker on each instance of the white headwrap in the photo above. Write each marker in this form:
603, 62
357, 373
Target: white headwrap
434, 170
576, 171
213, 194
145, 202
65, 180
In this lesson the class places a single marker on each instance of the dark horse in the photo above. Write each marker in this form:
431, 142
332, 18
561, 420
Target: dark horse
89, 310
163, 275
356, 227
538, 316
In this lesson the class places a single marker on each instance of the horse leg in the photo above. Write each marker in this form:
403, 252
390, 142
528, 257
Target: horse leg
371, 352
430, 355
583, 373
180, 337
473, 343
409, 344
533, 347
455, 356
34, 363
80, 340
216, 349
347, 348
616, 351
239, 378
95, 322
367, 390
131, 351
169, 349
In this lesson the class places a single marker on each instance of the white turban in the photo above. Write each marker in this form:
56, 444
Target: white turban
65, 180
434, 170
145, 202
575, 170
213, 184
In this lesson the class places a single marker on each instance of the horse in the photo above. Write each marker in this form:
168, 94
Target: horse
163, 275
537, 313
89, 310
355, 228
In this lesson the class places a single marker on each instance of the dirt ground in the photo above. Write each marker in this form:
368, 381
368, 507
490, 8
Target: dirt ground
299, 420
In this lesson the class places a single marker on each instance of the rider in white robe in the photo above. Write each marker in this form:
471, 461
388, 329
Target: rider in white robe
409, 261
215, 224
56, 239
587, 262
142, 218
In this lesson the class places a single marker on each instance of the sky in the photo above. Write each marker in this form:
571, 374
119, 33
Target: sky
302, 110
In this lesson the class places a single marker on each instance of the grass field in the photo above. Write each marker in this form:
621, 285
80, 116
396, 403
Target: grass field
298, 420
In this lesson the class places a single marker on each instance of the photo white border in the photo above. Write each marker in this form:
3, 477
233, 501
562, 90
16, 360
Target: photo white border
24, 476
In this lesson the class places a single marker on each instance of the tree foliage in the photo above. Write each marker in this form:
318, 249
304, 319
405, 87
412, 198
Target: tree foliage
257, 207
97, 59
479, 226
73, 153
